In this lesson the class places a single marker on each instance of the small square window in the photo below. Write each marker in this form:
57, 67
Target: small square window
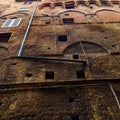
29, 75
66, 14
4, 37
49, 75
47, 23
75, 56
80, 74
71, 100
62, 38
69, 6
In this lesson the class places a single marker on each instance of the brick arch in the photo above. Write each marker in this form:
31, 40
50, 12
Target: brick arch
107, 10
112, 15
89, 47
63, 11
11, 14
78, 16
58, 4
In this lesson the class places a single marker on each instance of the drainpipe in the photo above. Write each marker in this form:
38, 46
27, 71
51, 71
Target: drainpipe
27, 30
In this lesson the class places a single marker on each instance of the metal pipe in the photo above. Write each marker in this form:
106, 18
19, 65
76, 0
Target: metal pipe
116, 98
55, 28
27, 30
84, 52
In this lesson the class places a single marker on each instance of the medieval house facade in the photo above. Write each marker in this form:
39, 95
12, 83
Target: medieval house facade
60, 60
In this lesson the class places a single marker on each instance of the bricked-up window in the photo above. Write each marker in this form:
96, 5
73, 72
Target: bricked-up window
76, 56
46, 5
80, 74
49, 75
68, 20
58, 4
82, 2
105, 3
69, 5
62, 38
4, 37
75, 117
11, 22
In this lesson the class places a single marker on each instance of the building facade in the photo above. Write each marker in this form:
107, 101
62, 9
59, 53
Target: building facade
60, 60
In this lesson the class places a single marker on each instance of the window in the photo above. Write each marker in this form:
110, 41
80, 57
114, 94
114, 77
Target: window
71, 100
49, 75
80, 74
0, 103
58, 4
47, 23
66, 14
4, 37
12, 22
69, 5
68, 20
62, 38
75, 56
29, 75
105, 3
23, 10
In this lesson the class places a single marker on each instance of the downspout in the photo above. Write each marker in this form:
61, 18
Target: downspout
27, 30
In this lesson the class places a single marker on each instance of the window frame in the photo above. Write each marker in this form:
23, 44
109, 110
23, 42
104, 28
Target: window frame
11, 24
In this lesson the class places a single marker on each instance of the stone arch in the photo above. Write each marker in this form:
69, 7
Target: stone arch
89, 48
112, 15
